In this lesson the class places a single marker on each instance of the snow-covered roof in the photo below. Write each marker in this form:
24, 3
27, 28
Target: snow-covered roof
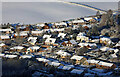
50, 40
54, 64
5, 30
88, 18
4, 37
26, 56
46, 36
32, 38
87, 26
105, 63
78, 21
81, 34
62, 35
1, 54
37, 32
2, 44
105, 39
86, 44
40, 25
93, 61
61, 23
106, 49
17, 47
33, 48
118, 44
76, 71
43, 60
73, 41
10, 56
77, 57
64, 67
61, 52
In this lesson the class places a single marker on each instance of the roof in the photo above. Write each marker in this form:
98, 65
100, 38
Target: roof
61, 52
76, 71
118, 44
33, 48
77, 57
2, 44
61, 23
93, 61
40, 25
73, 41
26, 56
4, 37
36, 32
5, 30
10, 56
54, 63
32, 38
105, 63
43, 60
105, 39
78, 21
81, 34
64, 67
88, 18
50, 40
46, 36
106, 49
17, 47
86, 44
62, 35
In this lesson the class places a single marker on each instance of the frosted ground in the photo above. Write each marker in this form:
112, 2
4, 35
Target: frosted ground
37, 12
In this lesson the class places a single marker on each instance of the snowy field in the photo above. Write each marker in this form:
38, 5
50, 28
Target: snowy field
38, 12
26, 12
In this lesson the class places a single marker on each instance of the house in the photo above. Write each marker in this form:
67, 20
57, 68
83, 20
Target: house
61, 24
69, 43
89, 19
2, 45
78, 59
78, 22
6, 31
118, 45
40, 25
105, 40
55, 64
32, 40
46, 26
88, 45
33, 49
82, 37
87, 26
61, 35
50, 41
10, 56
91, 62
46, 36
26, 56
18, 48
43, 60
66, 67
105, 65
63, 54
77, 71
37, 33
4, 37
22, 34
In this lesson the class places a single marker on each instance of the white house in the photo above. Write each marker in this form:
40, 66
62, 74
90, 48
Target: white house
50, 41
61, 35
